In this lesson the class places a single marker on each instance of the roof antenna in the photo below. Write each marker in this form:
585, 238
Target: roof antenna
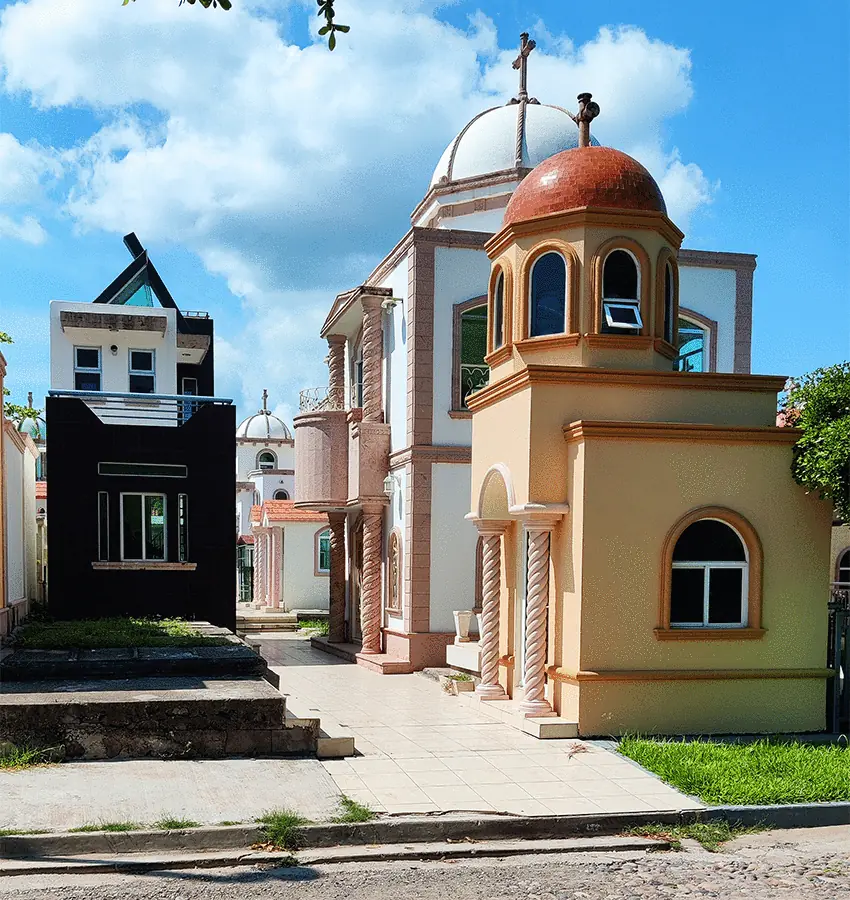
587, 112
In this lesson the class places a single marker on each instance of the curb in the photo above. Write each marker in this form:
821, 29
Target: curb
420, 829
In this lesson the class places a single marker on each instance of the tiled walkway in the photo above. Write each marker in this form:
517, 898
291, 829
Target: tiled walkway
421, 750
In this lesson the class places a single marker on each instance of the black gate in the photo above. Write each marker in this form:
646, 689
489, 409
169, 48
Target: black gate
245, 572
838, 659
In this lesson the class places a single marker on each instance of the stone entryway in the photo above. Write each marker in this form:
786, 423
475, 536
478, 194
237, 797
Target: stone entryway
420, 750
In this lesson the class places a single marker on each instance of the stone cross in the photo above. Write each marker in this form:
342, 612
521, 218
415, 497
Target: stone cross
265, 400
521, 63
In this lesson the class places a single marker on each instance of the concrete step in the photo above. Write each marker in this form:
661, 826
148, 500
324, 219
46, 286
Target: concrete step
335, 741
509, 712
381, 663
177, 717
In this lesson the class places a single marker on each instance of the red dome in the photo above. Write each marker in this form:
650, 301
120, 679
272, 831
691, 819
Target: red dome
585, 176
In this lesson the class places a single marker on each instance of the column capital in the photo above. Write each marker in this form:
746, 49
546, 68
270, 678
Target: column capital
336, 339
489, 526
540, 516
370, 302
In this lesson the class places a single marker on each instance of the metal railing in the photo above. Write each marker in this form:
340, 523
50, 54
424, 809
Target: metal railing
472, 378
194, 314
148, 409
320, 398
838, 658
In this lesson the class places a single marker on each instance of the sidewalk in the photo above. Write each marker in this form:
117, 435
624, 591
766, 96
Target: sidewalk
425, 751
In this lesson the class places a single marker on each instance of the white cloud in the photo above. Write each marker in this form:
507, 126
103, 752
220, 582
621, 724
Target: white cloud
291, 170
25, 172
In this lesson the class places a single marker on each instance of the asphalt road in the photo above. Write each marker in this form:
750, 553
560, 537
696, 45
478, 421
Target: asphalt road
811, 864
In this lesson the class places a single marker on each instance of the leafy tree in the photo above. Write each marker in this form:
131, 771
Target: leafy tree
326, 9
819, 404
14, 411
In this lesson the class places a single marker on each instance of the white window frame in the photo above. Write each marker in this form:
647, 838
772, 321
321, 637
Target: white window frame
88, 370
280, 491
319, 536
260, 467
707, 566
151, 373
144, 530
637, 270
633, 305
543, 255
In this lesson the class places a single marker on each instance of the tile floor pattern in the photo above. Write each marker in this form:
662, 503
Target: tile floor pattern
421, 750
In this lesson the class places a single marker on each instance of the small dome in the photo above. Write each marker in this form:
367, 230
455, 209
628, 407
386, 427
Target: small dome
586, 176
36, 428
488, 143
265, 426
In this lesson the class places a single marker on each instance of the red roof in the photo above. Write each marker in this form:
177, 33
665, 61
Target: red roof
41, 490
256, 513
285, 511
585, 176
245, 539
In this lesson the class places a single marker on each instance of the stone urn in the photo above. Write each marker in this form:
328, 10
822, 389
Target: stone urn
479, 618
462, 619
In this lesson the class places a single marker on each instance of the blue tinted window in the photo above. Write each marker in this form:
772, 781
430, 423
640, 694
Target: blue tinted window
548, 295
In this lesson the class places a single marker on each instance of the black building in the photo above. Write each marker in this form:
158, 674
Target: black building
141, 482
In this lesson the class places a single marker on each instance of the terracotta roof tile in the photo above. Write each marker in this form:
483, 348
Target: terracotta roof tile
256, 513
41, 490
285, 511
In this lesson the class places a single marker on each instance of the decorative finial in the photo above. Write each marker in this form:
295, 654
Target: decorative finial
521, 63
29, 400
587, 112
265, 408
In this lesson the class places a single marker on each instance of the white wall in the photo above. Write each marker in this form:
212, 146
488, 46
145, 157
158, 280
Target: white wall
115, 367
453, 542
711, 292
395, 357
266, 485
244, 502
19, 503
247, 453
459, 275
394, 519
302, 589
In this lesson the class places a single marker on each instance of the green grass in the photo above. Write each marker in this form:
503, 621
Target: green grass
351, 812
712, 835
320, 626
94, 634
460, 676
12, 757
762, 772
228, 822
107, 826
170, 823
12, 832
280, 827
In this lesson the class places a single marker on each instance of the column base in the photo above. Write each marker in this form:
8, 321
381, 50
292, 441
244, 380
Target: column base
535, 709
490, 692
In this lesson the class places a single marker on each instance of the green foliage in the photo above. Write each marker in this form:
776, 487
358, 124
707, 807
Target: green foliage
819, 404
280, 827
12, 757
710, 834
107, 826
172, 823
761, 772
91, 634
460, 676
5, 338
317, 626
12, 832
352, 812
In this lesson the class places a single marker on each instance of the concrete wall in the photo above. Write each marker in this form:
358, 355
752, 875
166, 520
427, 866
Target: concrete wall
453, 541
302, 587
114, 367
15, 482
711, 292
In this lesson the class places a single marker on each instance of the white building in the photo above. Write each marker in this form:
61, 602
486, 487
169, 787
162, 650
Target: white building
18, 538
405, 349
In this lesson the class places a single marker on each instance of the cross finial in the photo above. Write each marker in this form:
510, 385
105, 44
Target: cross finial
265, 400
521, 63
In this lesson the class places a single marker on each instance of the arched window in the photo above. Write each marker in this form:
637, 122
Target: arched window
280, 495
709, 586
266, 460
323, 552
394, 573
548, 295
474, 372
668, 303
693, 340
499, 311
843, 569
256, 498
621, 294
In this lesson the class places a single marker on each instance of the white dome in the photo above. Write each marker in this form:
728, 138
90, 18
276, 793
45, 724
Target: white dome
488, 143
264, 426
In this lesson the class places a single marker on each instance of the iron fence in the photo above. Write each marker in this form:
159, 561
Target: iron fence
838, 659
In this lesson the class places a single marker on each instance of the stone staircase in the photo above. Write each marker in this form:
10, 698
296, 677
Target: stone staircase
256, 621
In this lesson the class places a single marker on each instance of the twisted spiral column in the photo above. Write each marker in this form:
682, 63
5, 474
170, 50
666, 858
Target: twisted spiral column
373, 354
259, 567
336, 598
274, 586
491, 561
537, 602
370, 590
336, 371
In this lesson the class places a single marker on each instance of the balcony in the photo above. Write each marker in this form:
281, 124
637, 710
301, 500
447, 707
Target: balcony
321, 450
166, 410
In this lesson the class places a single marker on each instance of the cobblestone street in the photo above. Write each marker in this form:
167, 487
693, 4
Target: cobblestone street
798, 865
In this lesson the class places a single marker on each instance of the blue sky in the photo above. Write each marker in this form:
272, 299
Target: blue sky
265, 175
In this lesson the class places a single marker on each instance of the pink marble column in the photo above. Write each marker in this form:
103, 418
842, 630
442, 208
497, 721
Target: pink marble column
370, 590
373, 358
260, 590
336, 371
276, 535
336, 587
491, 582
539, 534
